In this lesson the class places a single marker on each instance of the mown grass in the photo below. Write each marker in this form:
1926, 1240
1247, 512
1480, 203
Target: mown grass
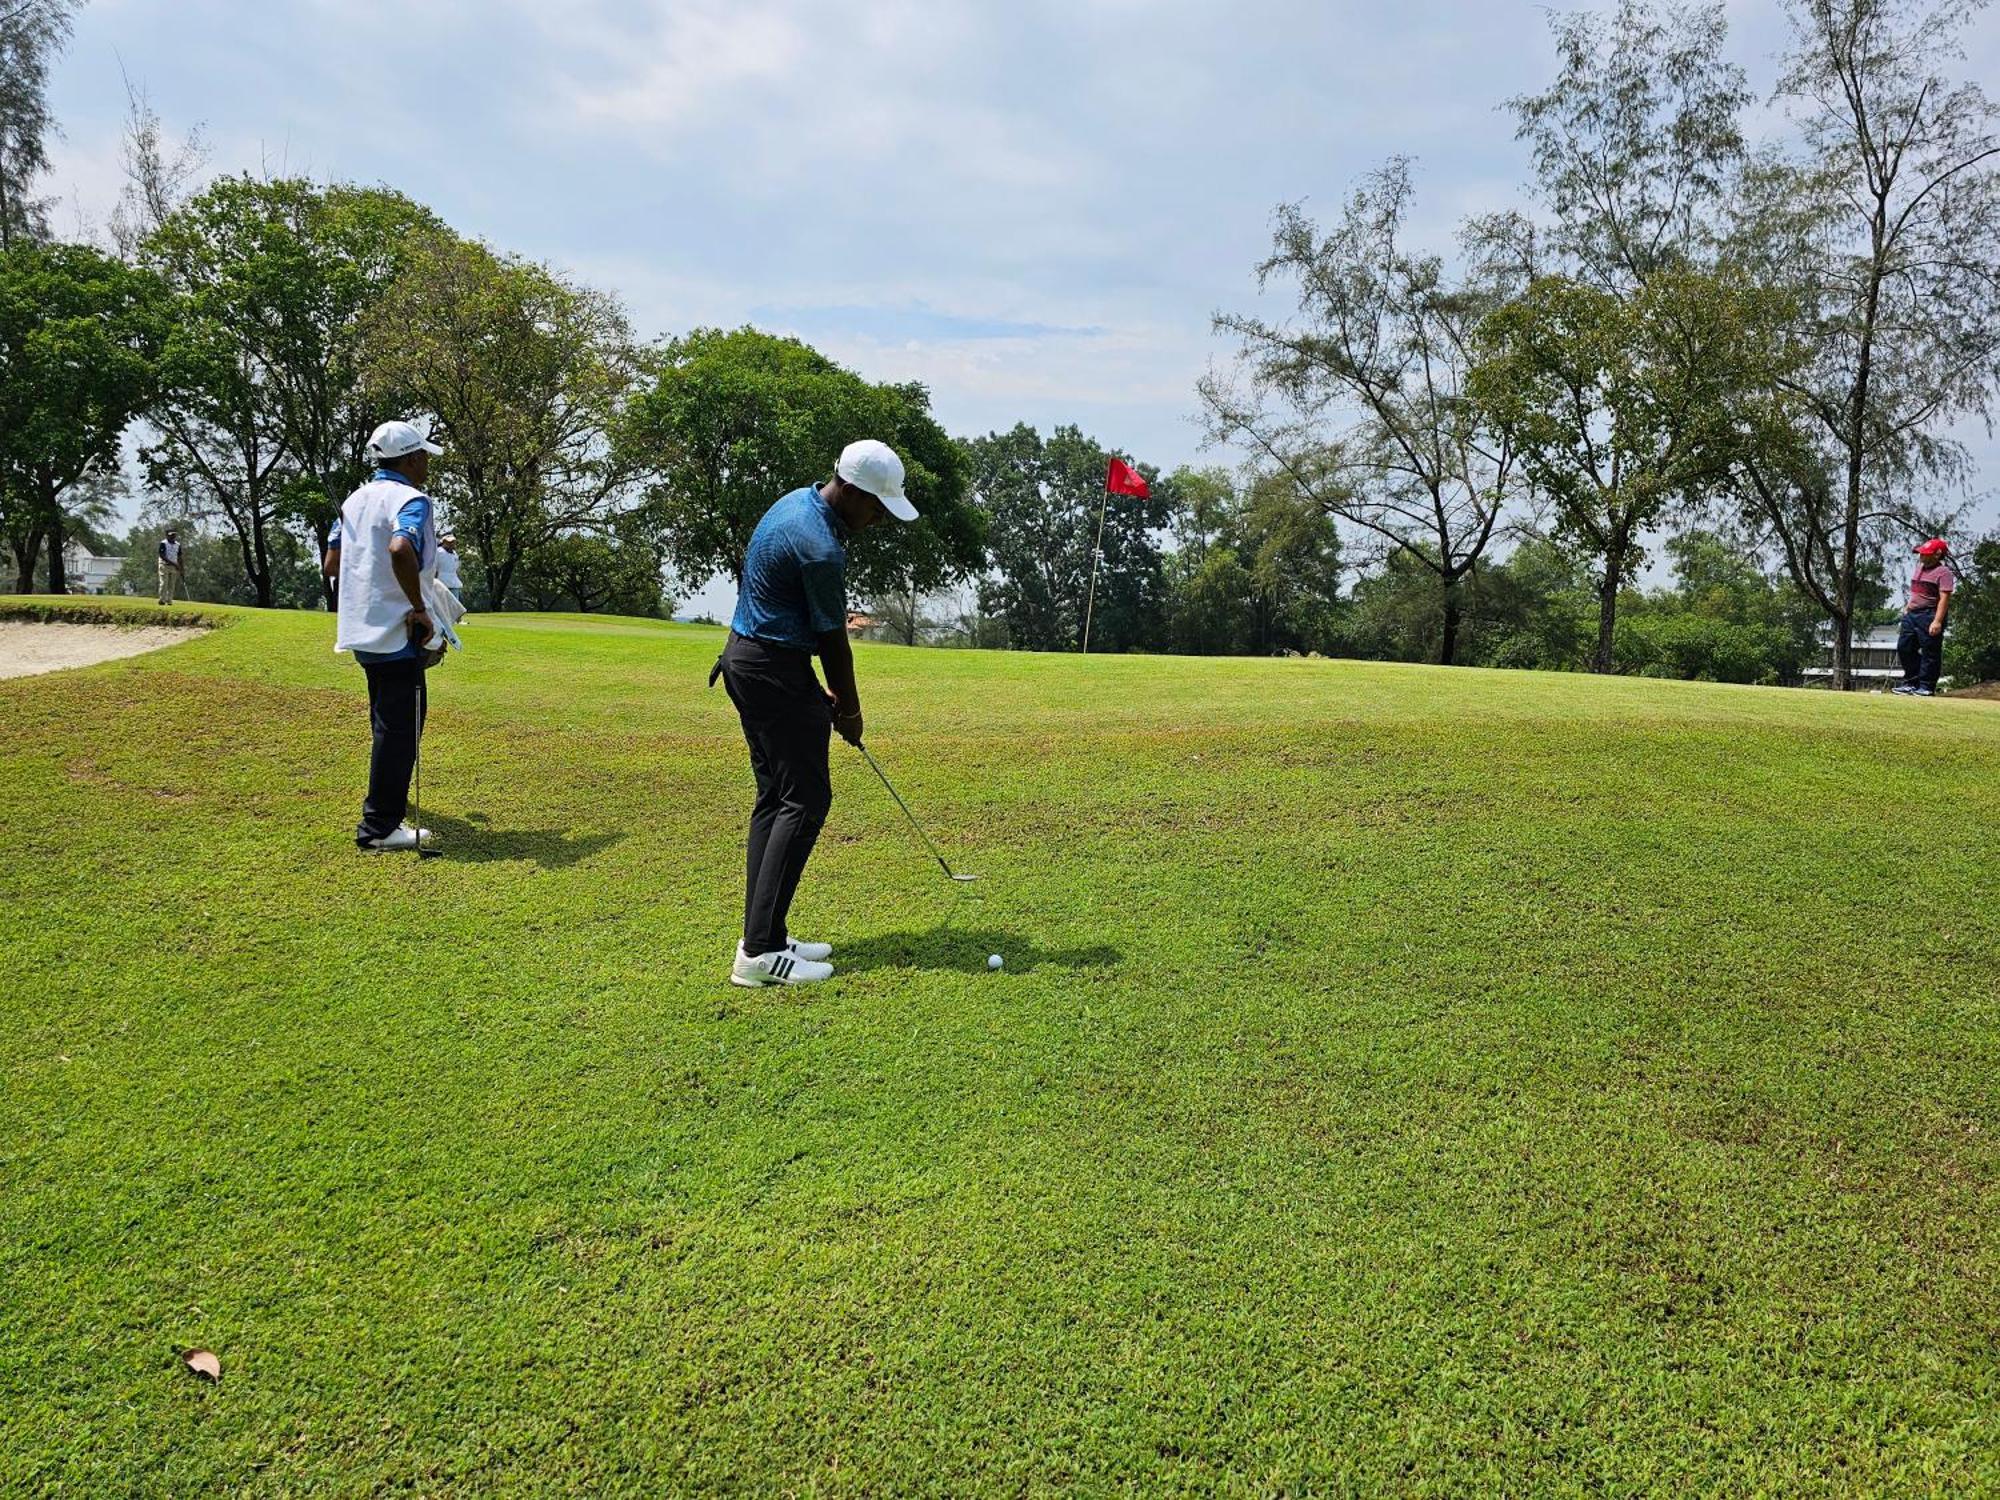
1402, 1081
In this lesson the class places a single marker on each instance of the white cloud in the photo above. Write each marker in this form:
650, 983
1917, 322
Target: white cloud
694, 59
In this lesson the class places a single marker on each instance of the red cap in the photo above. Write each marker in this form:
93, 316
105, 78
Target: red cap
1935, 547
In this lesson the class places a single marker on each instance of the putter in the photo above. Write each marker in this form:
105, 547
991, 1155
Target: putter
961, 879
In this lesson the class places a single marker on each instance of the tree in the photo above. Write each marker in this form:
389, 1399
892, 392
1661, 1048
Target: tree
80, 334
1623, 405
1885, 229
731, 420
1383, 339
158, 174
526, 375
1541, 609
263, 415
1295, 562
1209, 589
589, 573
1972, 633
32, 32
1040, 499
328, 256
212, 564
1255, 569
947, 542
1635, 140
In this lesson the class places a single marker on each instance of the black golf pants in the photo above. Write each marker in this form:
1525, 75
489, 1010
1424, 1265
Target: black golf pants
396, 703
788, 725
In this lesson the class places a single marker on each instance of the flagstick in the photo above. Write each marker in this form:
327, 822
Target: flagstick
1096, 552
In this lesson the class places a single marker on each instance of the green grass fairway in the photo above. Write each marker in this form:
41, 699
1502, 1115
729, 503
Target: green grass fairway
1403, 1081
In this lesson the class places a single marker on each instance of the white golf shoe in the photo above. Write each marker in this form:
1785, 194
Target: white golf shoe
782, 967
404, 837
819, 953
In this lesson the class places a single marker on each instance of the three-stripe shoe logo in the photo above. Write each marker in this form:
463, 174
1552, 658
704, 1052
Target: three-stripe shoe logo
781, 966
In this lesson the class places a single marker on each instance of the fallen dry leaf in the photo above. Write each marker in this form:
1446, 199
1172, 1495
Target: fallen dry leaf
204, 1363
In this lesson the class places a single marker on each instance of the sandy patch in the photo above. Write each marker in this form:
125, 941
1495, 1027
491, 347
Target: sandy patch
27, 648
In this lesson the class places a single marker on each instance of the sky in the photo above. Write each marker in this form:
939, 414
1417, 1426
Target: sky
1032, 206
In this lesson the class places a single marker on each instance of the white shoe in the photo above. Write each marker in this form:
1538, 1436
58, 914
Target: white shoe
403, 838
819, 953
783, 967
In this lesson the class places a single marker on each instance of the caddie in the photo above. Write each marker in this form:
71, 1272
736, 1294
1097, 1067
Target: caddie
792, 605
378, 552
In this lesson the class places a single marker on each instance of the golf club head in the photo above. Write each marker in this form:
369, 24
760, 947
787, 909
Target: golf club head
963, 879
430, 854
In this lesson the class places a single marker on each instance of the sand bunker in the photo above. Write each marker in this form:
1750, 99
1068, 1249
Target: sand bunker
27, 648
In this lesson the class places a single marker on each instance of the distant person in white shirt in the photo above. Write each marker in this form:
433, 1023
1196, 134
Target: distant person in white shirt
448, 562
170, 566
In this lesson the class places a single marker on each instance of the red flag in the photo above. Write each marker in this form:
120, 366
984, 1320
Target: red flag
1123, 479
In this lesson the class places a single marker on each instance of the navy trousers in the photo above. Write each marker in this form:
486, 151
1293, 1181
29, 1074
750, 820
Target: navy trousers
788, 725
396, 704
1921, 653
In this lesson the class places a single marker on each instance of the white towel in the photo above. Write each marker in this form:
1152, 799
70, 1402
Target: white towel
445, 612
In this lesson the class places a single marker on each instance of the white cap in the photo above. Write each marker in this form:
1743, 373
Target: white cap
397, 440
874, 467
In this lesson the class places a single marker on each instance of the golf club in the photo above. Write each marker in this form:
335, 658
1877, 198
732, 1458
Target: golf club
962, 879
417, 791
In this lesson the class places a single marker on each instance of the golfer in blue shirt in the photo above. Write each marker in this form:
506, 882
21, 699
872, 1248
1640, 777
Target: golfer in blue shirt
793, 603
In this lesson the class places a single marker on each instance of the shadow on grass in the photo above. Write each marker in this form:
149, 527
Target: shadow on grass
965, 949
474, 840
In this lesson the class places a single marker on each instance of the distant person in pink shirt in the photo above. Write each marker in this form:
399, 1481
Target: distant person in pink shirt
1920, 642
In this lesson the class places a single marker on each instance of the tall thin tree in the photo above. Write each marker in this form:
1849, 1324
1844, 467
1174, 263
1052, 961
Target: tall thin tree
32, 33
1360, 400
1884, 226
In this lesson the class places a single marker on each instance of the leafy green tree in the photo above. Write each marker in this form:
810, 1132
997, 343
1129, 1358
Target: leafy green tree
1295, 566
1211, 609
1041, 498
730, 420
1972, 627
80, 337
1623, 406
1252, 570
1884, 228
264, 416
592, 574
32, 33
946, 544
526, 374
1360, 399
1695, 647
1539, 609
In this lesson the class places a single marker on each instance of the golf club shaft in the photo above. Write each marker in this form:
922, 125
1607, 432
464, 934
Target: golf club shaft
417, 765
905, 807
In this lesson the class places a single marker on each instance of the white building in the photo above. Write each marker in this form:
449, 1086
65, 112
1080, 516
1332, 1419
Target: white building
89, 572
1872, 660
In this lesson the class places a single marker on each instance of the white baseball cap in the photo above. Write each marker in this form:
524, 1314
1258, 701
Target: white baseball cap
397, 440
874, 467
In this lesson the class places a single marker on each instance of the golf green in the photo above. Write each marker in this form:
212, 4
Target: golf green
1401, 1080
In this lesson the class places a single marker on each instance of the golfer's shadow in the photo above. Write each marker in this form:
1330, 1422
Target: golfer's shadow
474, 840
965, 949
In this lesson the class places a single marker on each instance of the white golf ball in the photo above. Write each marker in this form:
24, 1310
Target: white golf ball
994, 962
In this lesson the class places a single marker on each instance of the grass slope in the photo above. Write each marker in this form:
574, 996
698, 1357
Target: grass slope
1402, 1080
